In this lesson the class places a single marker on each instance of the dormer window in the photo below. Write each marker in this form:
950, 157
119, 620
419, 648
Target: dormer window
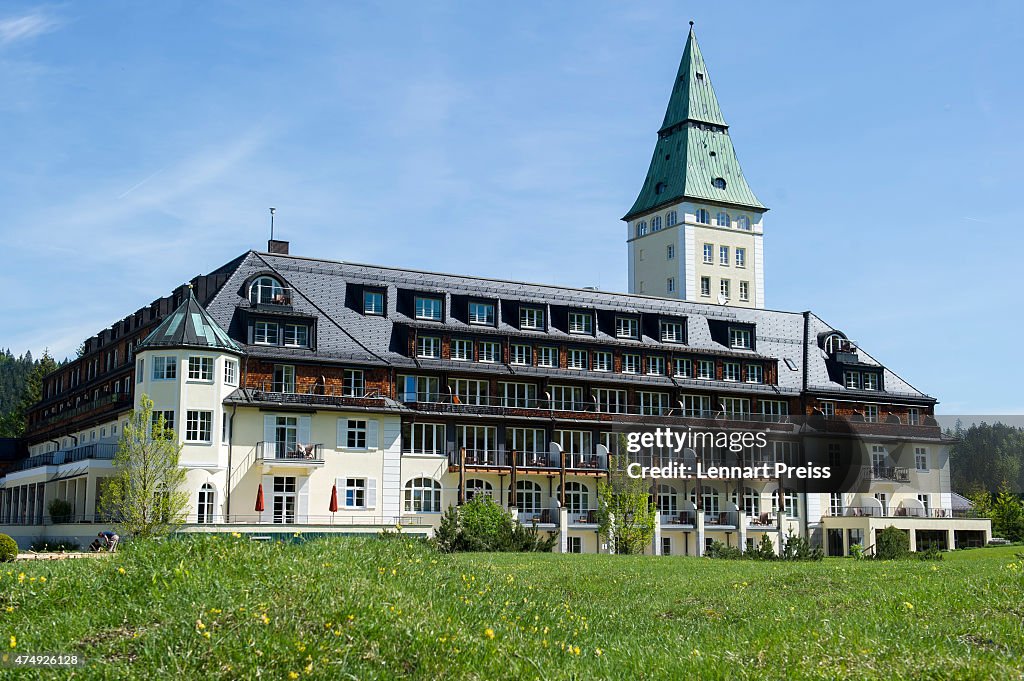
531, 318
269, 291
428, 308
719, 183
581, 322
481, 313
739, 338
373, 302
627, 327
660, 188
671, 332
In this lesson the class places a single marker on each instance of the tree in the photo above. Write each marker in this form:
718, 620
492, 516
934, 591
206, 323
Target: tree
22, 377
1007, 513
625, 514
483, 525
144, 498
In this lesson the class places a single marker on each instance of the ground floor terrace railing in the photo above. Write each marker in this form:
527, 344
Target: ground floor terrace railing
542, 460
903, 512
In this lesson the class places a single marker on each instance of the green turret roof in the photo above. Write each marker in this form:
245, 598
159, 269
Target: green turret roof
190, 326
694, 148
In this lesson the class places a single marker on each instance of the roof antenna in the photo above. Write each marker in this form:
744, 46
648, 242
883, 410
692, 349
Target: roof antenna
272, 211
691, 23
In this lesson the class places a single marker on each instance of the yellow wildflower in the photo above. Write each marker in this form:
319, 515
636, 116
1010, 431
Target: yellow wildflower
489, 633
293, 675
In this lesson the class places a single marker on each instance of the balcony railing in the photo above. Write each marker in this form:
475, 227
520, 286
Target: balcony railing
326, 397
277, 298
892, 473
495, 458
905, 512
84, 408
684, 517
99, 451
297, 453
722, 519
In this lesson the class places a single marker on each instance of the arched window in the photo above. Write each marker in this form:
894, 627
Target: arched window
835, 342
723, 219
641, 228
709, 499
656, 223
749, 503
703, 216
743, 222
671, 218
668, 500
423, 495
792, 504
268, 291
719, 182
527, 496
205, 505
577, 497
476, 486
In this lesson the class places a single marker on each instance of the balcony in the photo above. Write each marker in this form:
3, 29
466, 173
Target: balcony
685, 518
722, 519
527, 461
327, 398
112, 399
267, 298
887, 473
97, 451
291, 454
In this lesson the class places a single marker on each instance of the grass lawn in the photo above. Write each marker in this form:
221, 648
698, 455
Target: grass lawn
225, 607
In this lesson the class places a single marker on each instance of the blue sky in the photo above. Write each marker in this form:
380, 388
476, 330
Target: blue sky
142, 144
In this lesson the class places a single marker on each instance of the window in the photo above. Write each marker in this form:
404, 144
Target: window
741, 257
165, 368
870, 380
576, 497
871, 413
722, 219
423, 495
730, 371
522, 354
743, 222
610, 401
140, 372
705, 286
656, 223
790, 501
706, 369
527, 496
641, 228
723, 256
428, 308
708, 500
709, 254
744, 290
265, 333
267, 290
774, 410
921, 458
626, 327
373, 302
356, 438
697, 405
668, 500
652, 404
475, 486
575, 544
835, 504
703, 216
481, 313
200, 368
671, 332
462, 350
352, 383
736, 407
755, 373
531, 318
423, 438
682, 368
739, 338
851, 379
204, 505
923, 498
567, 398
670, 284
602, 361
670, 252
296, 335
581, 322
672, 218
489, 351
914, 416
718, 183
428, 347
198, 425
547, 357
284, 499
230, 372
578, 359
355, 492
530, 445
656, 365
723, 288
631, 364
523, 395
168, 423
828, 408
480, 443
284, 378
469, 391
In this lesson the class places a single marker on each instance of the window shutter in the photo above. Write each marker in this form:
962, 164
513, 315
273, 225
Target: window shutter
342, 432
269, 446
267, 516
371, 493
304, 429
372, 435
342, 498
302, 506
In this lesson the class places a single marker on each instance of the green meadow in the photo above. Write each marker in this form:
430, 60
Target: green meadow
350, 608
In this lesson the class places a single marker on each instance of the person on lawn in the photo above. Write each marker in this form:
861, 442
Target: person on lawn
109, 539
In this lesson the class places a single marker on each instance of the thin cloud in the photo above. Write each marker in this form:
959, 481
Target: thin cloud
27, 27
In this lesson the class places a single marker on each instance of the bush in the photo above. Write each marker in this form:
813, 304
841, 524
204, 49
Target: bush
483, 525
720, 550
892, 544
60, 511
8, 549
857, 552
765, 549
799, 548
930, 553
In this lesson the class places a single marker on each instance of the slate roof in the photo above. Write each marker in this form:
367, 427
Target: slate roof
346, 335
694, 147
190, 326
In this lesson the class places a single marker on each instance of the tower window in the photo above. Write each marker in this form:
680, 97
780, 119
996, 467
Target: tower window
641, 228
703, 216
719, 183
671, 218
743, 222
700, 76
659, 188
656, 223
723, 219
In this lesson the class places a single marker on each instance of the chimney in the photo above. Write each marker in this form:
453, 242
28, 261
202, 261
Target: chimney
277, 247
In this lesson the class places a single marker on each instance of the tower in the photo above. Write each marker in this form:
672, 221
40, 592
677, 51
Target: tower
695, 230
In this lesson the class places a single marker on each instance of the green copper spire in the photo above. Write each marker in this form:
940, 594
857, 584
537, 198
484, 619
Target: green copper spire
694, 158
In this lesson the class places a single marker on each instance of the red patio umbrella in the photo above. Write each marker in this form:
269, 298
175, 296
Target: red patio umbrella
334, 499
259, 499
